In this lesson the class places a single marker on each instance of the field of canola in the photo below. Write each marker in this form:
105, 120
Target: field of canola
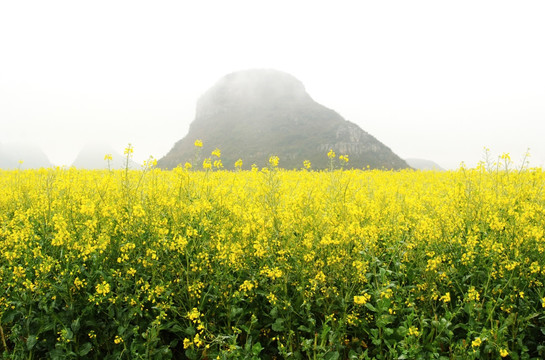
272, 264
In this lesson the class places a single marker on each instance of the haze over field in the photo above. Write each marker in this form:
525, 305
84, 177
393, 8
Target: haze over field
432, 80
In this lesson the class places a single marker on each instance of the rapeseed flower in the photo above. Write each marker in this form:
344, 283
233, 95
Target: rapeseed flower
445, 298
413, 331
361, 299
216, 153
103, 288
273, 161
472, 294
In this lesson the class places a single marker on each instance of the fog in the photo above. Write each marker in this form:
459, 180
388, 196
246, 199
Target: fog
431, 80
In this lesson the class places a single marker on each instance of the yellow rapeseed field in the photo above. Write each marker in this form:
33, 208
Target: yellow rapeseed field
273, 264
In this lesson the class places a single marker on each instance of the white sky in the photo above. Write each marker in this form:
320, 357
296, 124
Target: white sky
437, 80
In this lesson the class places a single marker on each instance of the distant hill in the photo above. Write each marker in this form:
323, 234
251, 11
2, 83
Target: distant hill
92, 155
421, 164
254, 114
22, 156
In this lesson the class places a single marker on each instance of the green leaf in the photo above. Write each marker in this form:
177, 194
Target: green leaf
277, 326
85, 349
190, 330
56, 354
304, 328
235, 311
376, 341
334, 355
370, 307
9, 316
257, 348
75, 325
31, 341
191, 354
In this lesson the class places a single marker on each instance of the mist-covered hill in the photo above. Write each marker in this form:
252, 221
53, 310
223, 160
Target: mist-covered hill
92, 156
422, 164
22, 156
254, 114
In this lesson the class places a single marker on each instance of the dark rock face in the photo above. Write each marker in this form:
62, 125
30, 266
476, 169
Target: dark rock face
254, 114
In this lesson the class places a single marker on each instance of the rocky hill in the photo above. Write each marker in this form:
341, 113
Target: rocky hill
254, 114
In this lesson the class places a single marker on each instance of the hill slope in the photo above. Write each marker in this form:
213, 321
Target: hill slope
254, 114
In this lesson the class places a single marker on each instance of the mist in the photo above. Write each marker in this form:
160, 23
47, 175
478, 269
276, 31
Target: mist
431, 80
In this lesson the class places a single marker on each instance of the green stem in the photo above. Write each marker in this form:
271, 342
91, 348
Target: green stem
3, 339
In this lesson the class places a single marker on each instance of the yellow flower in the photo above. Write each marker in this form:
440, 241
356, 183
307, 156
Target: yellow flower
79, 283
187, 343
128, 150
194, 314
198, 143
477, 342
108, 157
504, 353
246, 286
272, 298
118, 339
306, 164
543, 302
472, 294
413, 331
238, 164
273, 160
388, 293
362, 299
188, 165
207, 164
103, 289
344, 158
216, 153
445, 298
218, 164
197, 341
331, 154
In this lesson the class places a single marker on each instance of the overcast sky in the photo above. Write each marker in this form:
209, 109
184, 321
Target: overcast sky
437, 80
